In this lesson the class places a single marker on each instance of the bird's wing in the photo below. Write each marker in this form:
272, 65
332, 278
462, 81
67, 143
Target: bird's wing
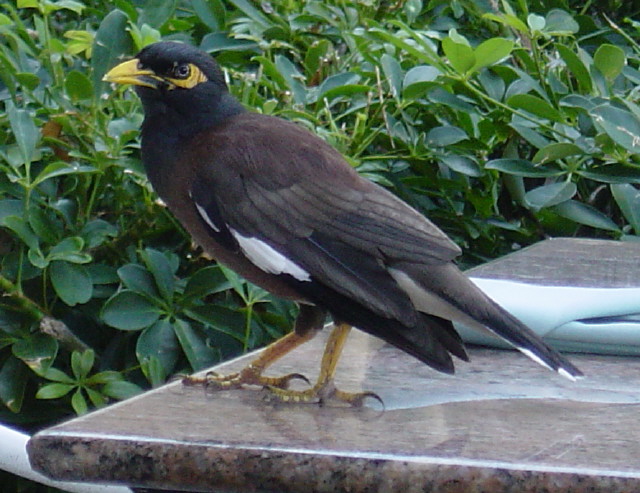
301, 210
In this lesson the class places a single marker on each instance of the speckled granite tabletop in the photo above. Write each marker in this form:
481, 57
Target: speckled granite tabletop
501, 424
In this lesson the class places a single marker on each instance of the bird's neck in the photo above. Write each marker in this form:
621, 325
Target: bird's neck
182, 118
168, 128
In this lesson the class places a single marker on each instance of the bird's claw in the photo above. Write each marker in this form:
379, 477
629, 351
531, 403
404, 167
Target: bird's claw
357, 399
248, 376
322, 394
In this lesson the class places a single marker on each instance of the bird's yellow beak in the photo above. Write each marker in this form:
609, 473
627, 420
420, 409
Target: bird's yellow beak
129, 72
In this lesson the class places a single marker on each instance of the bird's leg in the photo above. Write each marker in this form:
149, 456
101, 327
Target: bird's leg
324, 388
252, 373
310, 320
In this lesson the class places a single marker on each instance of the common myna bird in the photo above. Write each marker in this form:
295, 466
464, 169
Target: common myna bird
282, 208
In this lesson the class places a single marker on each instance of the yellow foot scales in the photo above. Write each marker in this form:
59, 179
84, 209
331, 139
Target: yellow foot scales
278, 387
245, 377
322, 393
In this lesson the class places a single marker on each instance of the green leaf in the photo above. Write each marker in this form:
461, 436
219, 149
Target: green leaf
60, 168
621, 125
460, 56
144, 35
57, 376
37, 351
560, 23
10, 207
412, 9
522, 167
24, 130
418, 80
223, 319
97, 399
222, 42
345, 91
210, 12
23, 231
79, 41
393, 73
493, 84
445, 136
555, 151
156, 12
508, 20
105, 376
581, 102
292, 77
577, 68
159, 266
550, 194
102, 273
250, 11
585, 214
491, 51
138, 279
70, 250
121, 390
96, 232
71, 282
442, 96
78, 86
628, 199
54, 390
456, 37
315, 55
237, 283
82, 363
14, 376
463, 165
158, 341
51, 6
127, 310
153, 370
78, 403
334, 85
28, 80
535, 105
271, 71
419, 52
612, 173
67, 209
208, 280
37, 259
111, 43
609, 60
197, 352
536, 22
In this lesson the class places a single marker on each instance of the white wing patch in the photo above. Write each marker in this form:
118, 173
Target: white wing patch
203, 214
268, 259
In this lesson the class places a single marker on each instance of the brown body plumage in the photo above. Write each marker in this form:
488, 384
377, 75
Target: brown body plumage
285, 210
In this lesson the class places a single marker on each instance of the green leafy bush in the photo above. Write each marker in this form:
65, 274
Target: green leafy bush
504, 126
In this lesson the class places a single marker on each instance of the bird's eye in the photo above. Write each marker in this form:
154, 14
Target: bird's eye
181, 71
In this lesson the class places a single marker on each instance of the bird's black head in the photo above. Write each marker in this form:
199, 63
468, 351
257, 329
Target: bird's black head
179, 66
179, 84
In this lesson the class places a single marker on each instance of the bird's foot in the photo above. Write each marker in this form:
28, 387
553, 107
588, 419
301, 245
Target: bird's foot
322, 393
247, 376
252, 373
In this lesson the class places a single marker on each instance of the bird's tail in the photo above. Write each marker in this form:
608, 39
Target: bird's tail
443, 290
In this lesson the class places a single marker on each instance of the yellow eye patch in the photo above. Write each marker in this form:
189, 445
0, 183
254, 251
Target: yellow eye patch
187, 76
